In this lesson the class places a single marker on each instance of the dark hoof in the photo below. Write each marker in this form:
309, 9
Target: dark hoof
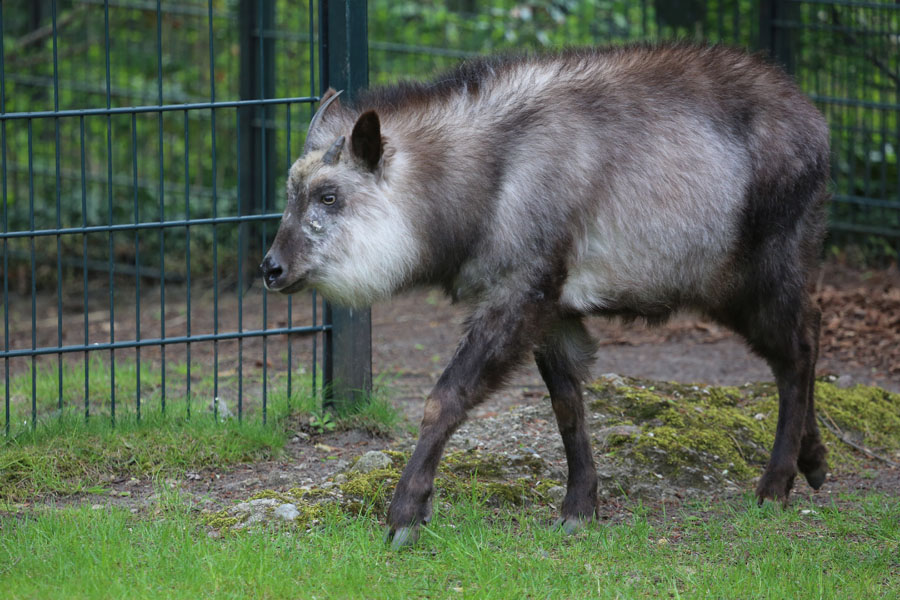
816, 478
775, 486
571, 524
812, 464
401, 537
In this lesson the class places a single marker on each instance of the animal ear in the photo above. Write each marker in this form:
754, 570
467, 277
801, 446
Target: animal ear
366, 142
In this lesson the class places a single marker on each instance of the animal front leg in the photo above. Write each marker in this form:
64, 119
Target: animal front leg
497, 340
411, 505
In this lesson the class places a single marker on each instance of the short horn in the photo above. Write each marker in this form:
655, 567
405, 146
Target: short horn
318, 117
334, 153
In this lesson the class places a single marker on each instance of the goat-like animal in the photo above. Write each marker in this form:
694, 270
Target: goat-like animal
629, 181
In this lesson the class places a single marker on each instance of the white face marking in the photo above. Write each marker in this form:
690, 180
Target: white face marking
375, 252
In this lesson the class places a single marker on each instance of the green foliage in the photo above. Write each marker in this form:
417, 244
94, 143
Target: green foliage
321, 422
151, 166
416, 38
844, 59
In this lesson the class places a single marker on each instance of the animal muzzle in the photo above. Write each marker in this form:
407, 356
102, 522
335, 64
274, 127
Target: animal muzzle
272, 272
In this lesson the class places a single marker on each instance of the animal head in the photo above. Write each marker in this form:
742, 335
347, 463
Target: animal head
341, 233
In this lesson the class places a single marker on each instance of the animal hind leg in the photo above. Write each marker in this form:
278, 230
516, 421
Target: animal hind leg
811, 460
562, 360
776, 316
781, 332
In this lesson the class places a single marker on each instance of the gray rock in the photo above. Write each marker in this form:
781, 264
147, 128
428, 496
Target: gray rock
560, 473
278, 478
372, 460
620, 430
288, 512
614, 379
257, 511
254, 518
242, 484
217, 405
556, 494
263, 502
844, 381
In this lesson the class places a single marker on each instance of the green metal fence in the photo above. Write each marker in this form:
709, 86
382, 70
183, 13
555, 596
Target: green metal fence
846, 55
144, 145
143, 148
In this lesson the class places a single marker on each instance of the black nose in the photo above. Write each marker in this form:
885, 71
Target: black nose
271, 270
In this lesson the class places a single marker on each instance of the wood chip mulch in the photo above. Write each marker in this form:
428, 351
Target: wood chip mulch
861, 321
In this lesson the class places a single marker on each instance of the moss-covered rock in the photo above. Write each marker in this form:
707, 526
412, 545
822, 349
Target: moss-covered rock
220, 520
491, 466
369, 491
261, 509
868, 415
704, 437
495, 480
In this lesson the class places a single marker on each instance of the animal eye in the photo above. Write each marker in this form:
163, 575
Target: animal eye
328, 199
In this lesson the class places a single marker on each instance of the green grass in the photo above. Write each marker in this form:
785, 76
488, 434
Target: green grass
378, 415
122, 382
69, 455
470, 551
66, 454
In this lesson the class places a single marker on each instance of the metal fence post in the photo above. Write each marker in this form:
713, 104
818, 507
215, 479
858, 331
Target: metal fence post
259, 166
775, 36
348, 349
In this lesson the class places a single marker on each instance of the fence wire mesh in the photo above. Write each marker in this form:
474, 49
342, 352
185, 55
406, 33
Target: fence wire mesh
143, 147
846, 55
